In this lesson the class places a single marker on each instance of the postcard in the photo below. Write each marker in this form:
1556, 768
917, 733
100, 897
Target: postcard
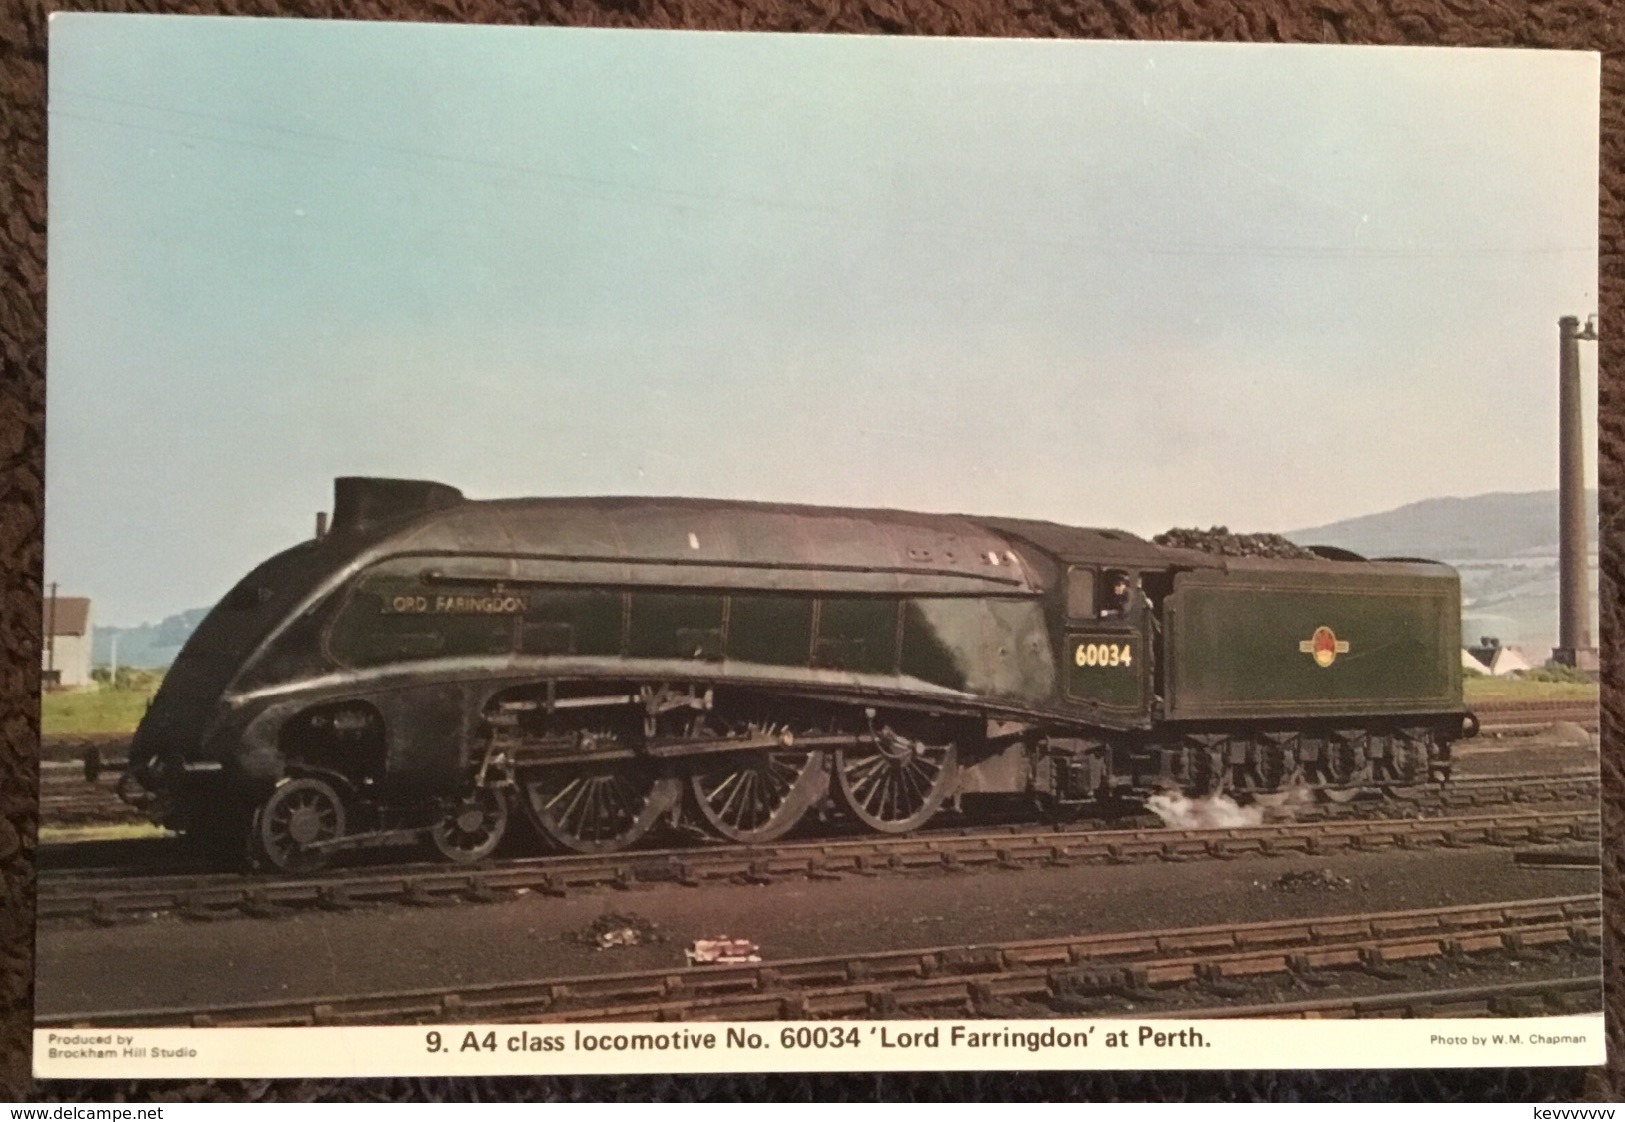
581, 551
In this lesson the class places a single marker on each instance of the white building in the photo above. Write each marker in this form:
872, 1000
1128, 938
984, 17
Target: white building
1491, 657
65, 659
1508, 660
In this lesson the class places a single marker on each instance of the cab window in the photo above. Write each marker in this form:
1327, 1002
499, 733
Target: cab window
1116, 594
1080, 592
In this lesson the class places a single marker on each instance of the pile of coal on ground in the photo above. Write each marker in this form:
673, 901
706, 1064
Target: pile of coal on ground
615, 929
1310, 880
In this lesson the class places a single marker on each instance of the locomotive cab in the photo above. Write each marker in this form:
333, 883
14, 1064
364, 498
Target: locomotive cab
1107, 651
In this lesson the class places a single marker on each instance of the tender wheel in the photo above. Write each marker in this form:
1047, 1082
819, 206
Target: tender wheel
598, 809
1274, 778
299, 813
759, 797
1294, 792
472, 829
1210, 775
1406, 768
1345, 777
896, 784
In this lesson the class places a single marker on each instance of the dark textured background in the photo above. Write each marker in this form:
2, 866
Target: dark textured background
1574, 24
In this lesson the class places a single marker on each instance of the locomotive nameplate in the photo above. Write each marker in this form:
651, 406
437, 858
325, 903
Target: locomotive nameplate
496, 604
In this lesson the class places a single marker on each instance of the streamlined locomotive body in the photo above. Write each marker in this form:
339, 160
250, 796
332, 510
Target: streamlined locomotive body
433, 664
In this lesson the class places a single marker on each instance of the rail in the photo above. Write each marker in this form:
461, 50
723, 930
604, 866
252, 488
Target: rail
99, 897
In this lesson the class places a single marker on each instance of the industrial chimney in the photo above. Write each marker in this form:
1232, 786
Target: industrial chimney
1575, 646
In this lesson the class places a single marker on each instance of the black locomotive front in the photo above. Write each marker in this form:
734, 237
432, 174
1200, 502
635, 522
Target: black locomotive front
194, 763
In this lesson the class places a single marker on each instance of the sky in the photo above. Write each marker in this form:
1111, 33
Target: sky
1136, 285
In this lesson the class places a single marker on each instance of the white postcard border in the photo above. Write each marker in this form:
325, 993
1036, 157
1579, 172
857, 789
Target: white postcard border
708, 1047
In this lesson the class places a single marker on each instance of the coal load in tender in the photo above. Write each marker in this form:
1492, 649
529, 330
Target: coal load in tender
1220, 540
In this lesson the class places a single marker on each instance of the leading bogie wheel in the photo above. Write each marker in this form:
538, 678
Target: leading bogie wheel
895, 784
299, 814
472, 829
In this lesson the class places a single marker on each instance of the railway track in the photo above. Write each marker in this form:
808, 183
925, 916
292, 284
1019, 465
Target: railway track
1490, 710
84, 804
1465, 791
1547, 997
1531, 718
1090, 973
99, 897
1492, 790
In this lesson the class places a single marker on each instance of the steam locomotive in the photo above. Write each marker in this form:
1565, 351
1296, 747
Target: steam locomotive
432, 666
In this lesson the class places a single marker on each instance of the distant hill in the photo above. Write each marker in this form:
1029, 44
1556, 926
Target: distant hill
1496, 526
1504, 545
149, 646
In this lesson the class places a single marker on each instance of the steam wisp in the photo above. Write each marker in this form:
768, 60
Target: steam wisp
1213, 812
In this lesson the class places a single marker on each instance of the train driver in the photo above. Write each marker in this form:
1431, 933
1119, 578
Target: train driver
1119, 599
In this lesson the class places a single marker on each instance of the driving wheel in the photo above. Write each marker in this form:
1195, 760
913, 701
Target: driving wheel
895, 784
598, 808
757, 797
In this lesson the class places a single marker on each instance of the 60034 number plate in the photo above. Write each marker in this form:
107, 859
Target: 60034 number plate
1105, 669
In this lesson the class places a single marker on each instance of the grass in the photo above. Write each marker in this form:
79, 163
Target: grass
129, 831
1524, 689
104, 709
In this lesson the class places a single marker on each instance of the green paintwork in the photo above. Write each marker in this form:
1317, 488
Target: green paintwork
992, 647
928, 653
771, 630
1106, 667
561, 621
857, 634
675, 625
1232, 637
1234, 642
988, 647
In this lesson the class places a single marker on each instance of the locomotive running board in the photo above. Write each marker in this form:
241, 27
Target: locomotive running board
674, 748
670, 748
